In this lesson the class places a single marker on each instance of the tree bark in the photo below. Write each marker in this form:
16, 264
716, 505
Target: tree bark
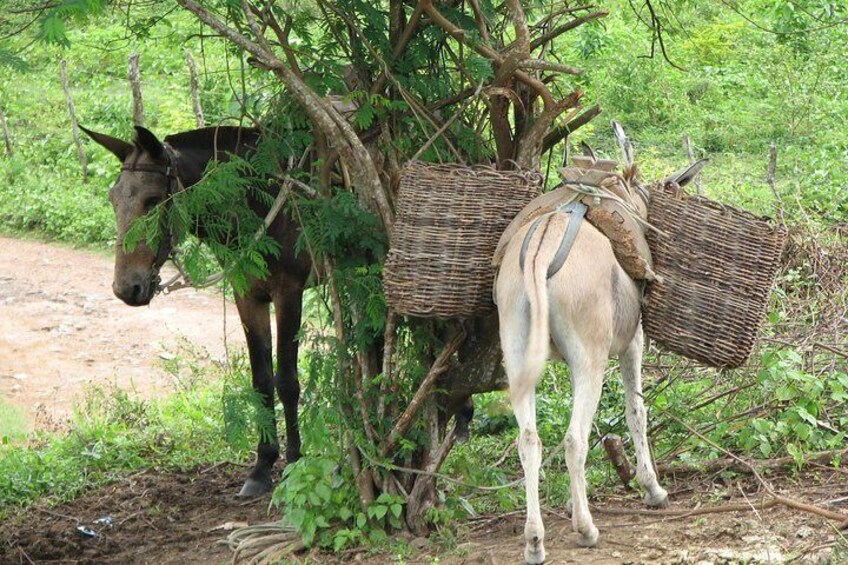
74, 125
135, 84
194, 84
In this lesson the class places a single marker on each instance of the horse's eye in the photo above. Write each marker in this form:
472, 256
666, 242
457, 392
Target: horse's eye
151, 202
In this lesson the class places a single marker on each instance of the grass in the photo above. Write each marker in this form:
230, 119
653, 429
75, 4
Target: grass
13, 425
113, 433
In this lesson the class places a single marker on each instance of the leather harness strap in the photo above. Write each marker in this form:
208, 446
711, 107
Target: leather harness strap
578, 212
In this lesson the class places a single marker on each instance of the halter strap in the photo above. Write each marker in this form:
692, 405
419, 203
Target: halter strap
170, 172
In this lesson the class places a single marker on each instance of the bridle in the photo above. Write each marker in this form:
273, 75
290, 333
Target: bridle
174, 185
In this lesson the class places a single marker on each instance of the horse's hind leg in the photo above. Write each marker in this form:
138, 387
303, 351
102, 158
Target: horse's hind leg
256, 322
288, 306
631, 371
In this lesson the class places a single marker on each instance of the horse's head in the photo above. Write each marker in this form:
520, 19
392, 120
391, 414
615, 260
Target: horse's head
147, 178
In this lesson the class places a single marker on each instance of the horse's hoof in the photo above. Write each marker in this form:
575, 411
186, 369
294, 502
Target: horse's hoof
658, 501
588, 539
534, 553
255, 487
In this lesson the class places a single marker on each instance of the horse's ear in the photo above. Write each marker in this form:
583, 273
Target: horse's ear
687, 175
149, 142
118, 148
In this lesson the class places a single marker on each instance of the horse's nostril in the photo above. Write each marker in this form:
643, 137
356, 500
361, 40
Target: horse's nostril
136, 292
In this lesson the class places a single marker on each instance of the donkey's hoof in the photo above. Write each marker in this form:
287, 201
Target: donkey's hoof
534, 552
588, 538
658, 500
255, 487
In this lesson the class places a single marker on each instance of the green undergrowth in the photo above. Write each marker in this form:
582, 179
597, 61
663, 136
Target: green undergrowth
207, 419
12, 426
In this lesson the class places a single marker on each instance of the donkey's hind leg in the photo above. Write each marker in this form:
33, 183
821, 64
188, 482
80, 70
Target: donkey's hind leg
514, 344
530, 451
631, 371
587, 373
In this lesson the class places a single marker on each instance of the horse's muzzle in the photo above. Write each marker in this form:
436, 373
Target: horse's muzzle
136, 292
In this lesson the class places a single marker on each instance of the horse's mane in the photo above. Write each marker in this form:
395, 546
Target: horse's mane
225, 138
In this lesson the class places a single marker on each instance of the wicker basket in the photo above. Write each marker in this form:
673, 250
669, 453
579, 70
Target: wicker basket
449, 219
718, 265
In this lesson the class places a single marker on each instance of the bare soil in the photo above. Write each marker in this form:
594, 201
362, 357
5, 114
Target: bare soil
162, 518
61, 329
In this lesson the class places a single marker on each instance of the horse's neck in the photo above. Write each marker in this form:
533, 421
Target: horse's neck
196, 149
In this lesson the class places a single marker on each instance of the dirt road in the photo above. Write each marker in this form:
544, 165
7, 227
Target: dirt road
61, 328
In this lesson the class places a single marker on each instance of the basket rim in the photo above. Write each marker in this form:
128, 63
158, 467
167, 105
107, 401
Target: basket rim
676, 192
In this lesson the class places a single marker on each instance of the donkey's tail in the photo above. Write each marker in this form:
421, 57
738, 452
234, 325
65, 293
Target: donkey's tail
535, 273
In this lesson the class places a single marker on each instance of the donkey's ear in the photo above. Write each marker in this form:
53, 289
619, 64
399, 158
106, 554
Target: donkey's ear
623, 143
149, 142
588, 151
118, 148
687, 175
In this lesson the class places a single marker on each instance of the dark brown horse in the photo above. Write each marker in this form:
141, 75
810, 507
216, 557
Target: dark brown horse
151, 172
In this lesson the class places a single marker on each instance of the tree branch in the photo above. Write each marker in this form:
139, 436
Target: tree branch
557, 31
459, 34
561, 132
440, 365
332, 124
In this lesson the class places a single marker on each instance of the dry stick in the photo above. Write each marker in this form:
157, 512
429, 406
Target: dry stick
135, 84
439, 366
798, 505
615, 453
831, 349
717, 465
671, 513
74, 125
7, 137
687, 147
194, 83
770, 177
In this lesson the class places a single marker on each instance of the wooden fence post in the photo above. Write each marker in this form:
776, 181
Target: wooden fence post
135, 83
7, 137
687, 147
195, 89
74, 125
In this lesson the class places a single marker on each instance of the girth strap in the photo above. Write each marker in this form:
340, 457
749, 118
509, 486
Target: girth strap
578, 212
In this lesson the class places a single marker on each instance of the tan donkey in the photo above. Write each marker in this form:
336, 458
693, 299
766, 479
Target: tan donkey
576, 304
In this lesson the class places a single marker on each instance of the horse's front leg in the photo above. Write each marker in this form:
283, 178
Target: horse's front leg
287, 304
255, 319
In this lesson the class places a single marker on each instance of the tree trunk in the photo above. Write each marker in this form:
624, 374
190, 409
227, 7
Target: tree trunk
74, 125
